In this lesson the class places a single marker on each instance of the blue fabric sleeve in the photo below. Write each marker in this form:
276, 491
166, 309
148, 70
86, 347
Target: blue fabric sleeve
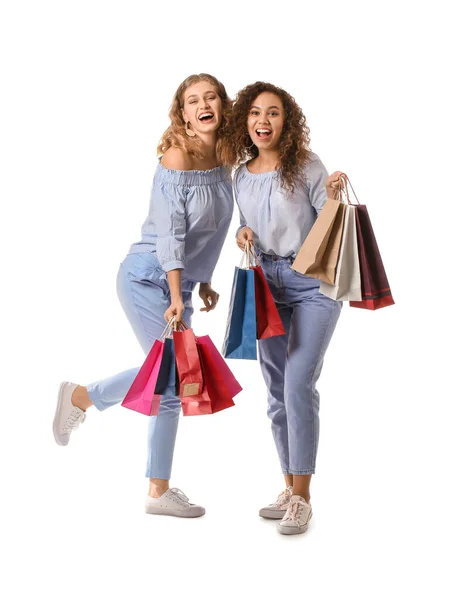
169, 214
316, 174
242, 224
235, 191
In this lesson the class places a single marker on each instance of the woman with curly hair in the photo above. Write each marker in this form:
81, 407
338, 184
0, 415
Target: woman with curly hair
280, 188
189, 214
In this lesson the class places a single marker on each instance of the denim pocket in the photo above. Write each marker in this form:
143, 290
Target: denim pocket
300, 275
305, 279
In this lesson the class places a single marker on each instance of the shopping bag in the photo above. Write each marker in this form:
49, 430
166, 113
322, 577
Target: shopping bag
376, 291
220, 365
152, 378
268, 321
165, 367
188, 366
241, 330
218, 390
318, 255
347, 278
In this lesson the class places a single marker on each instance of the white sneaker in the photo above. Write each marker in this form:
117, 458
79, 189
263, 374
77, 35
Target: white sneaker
297, 517
67, 417
174, 503
278, 509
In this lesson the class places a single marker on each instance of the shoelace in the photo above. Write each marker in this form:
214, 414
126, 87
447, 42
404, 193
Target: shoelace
76, 417
180, 494
294, 511
283, 498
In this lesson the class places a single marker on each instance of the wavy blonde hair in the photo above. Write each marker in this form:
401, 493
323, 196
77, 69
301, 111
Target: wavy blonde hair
293, 146
175, 136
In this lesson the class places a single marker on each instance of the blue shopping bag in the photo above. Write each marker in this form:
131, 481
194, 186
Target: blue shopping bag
166, 367
241, 332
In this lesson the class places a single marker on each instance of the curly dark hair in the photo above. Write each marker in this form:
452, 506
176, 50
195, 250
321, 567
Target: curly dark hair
294, 141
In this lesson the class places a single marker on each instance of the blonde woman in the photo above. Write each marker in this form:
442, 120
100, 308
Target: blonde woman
189, 214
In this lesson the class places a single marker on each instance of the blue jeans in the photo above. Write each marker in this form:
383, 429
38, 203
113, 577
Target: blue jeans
291, 363
145, 296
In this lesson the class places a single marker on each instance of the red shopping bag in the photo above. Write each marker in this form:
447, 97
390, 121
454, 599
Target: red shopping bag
220, 365
220, 386
141, 396
376, 291
187, 363
268, 320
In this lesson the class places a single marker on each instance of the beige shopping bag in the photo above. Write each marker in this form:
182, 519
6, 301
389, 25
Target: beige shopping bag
318, 256
347, 280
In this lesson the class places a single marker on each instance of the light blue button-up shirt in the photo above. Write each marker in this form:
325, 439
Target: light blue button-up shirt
280, 220
189, 216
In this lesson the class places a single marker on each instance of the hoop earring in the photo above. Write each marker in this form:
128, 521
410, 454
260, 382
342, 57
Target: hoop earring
190, 132
249, 147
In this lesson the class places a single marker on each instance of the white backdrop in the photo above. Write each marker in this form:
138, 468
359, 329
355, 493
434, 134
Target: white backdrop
86, 91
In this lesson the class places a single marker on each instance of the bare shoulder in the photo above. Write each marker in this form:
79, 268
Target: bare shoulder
176, 158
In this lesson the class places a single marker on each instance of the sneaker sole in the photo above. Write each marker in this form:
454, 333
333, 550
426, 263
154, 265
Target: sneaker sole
56, 416
175, 513
267, 513
293, 530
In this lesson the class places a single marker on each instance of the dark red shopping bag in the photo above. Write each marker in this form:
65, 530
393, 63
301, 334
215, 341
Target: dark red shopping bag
188, 365
220, 386
375, 287
268, 320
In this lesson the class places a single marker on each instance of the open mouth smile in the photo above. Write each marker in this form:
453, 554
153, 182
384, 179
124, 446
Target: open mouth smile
206, 117
263, 133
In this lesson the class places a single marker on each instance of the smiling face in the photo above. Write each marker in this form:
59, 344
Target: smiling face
266, 120
202, 107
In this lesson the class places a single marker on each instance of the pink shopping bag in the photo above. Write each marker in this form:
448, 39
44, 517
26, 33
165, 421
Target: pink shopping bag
142, 396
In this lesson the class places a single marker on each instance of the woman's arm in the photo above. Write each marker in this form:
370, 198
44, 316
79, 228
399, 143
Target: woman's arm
176, 307
244, 236
316, 176
170, 216
209, 296
321, 184
332, 184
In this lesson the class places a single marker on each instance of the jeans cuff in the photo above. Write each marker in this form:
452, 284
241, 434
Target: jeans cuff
306, 472
95, 397
166, 475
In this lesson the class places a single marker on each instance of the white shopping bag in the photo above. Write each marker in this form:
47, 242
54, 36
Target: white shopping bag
347, 279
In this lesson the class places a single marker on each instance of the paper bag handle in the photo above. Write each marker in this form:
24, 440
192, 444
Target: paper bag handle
169, 326
249, 256
344, 190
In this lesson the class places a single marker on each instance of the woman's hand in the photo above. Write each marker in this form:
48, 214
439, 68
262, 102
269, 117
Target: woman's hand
209, 296
175, 309
333, 183
244, 236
